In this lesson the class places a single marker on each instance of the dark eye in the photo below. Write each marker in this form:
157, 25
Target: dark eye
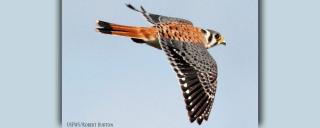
217, 36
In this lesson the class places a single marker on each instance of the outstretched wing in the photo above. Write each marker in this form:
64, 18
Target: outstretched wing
157, 19
197, 73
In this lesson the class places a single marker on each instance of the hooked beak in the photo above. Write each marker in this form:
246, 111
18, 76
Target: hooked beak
223, 43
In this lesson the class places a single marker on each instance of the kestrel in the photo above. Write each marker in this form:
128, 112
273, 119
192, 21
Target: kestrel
186, 48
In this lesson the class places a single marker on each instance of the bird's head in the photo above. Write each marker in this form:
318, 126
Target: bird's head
213, 38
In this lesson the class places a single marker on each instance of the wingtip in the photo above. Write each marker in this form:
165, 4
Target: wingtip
130, 6
199, 120
134, 8
143, 10
192, 119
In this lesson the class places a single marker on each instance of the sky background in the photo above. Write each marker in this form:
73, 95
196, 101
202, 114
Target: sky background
112, 79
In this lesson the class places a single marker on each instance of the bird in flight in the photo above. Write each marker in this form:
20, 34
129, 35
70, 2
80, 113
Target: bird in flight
186, 48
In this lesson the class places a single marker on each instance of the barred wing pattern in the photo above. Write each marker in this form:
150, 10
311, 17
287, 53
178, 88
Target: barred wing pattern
197, 73
157, 19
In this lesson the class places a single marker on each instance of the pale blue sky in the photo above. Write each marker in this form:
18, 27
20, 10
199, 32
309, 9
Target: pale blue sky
112, 79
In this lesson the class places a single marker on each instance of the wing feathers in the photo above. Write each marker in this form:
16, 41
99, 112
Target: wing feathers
157, 19
197, 84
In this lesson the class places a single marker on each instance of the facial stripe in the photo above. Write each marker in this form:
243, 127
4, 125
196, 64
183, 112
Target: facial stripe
210, 37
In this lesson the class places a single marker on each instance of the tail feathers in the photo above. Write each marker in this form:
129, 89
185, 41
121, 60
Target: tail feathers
104, 27
141, 33
116, 29
103, 24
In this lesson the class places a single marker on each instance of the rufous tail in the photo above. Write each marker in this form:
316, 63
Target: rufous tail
143, 33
